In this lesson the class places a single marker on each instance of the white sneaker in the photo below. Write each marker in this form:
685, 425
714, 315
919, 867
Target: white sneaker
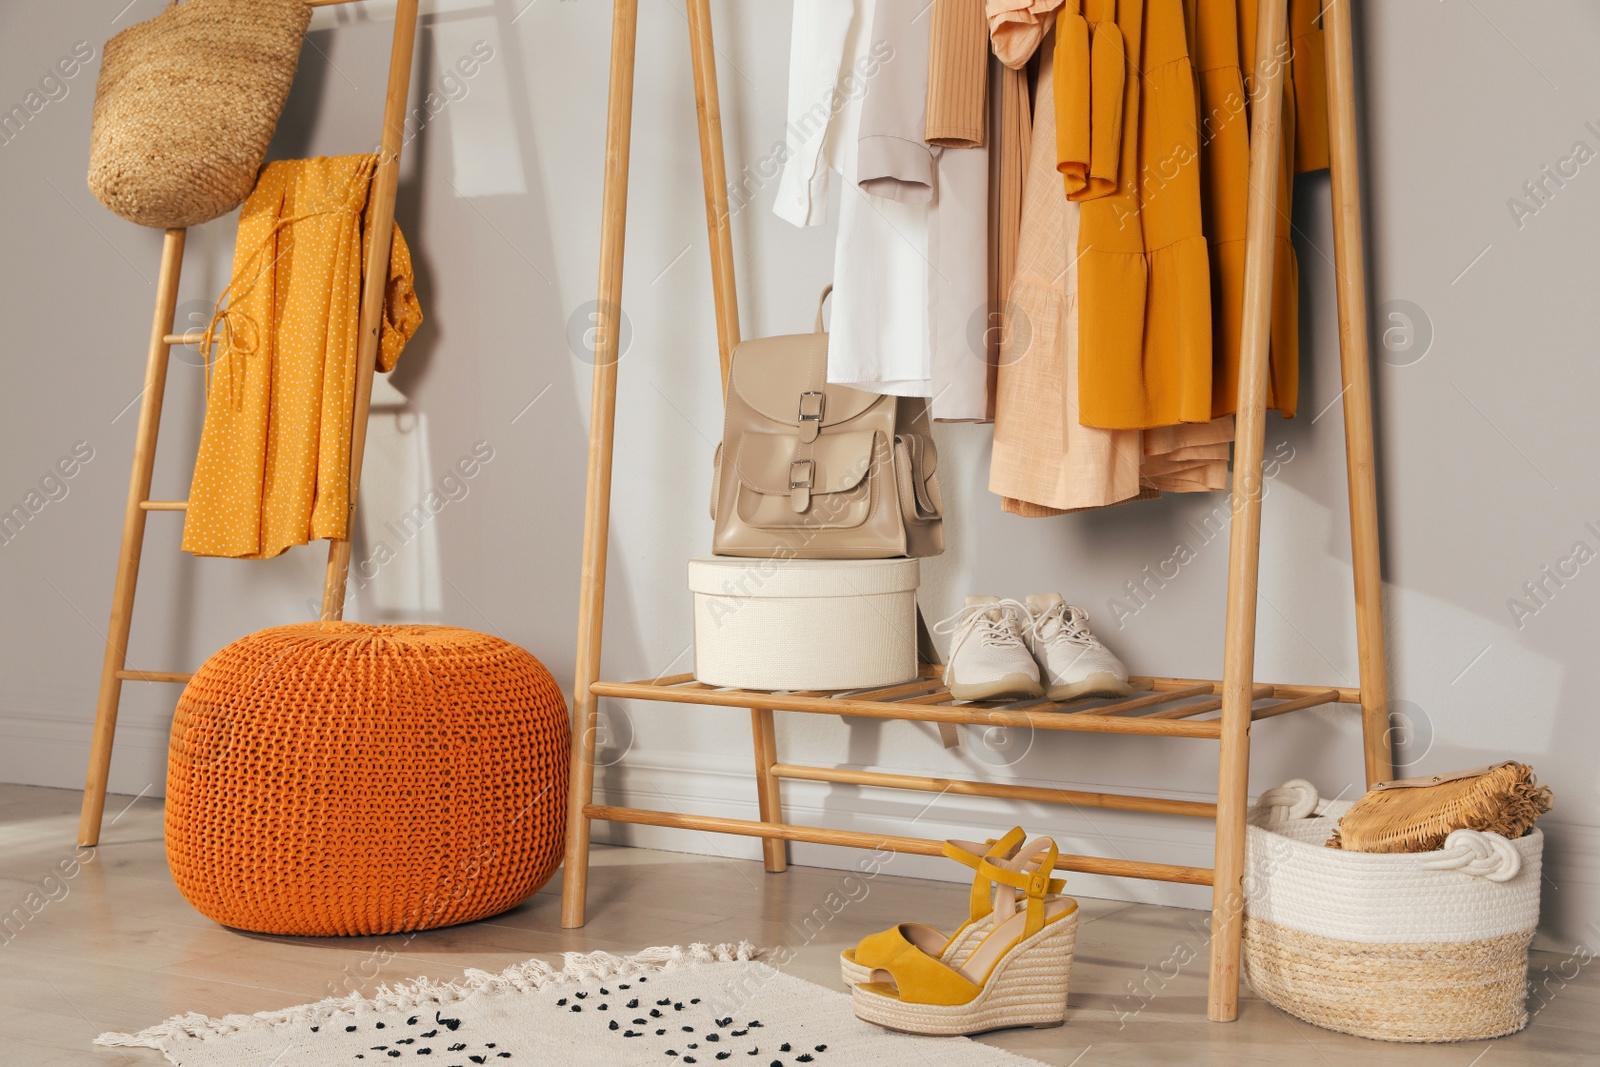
989, 657
1070, 657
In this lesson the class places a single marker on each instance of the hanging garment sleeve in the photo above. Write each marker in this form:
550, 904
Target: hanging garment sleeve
895, 162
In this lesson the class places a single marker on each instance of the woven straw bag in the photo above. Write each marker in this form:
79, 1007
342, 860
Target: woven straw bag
186, 105
1418, 946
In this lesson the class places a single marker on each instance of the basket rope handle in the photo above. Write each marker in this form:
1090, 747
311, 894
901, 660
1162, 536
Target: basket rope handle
1294, 799
1475, 852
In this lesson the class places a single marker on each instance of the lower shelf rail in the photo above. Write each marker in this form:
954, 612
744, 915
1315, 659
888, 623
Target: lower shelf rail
914, 846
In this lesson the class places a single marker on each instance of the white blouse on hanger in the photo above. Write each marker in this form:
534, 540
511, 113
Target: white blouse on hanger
908, 276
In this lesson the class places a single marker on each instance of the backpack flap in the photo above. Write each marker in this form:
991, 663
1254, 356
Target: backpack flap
784, 380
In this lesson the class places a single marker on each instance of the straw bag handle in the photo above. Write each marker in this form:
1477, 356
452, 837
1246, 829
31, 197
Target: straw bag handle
1477, 852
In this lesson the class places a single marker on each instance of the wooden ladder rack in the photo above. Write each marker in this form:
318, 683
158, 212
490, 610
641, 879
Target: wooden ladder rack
1218, 710
375, 274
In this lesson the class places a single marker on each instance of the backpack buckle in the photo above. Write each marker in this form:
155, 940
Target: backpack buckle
810, 415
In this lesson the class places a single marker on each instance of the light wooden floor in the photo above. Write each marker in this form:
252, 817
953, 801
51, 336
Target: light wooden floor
114, 947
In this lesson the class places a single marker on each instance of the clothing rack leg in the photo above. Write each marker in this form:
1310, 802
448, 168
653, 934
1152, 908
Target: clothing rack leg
769, 799
928, 655
719, 237
713, 171
144, 457
374, 282
602, 427
1244, 541
1360, 459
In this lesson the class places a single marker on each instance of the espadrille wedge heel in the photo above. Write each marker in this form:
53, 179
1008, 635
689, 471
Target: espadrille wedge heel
856, 964
1016, 976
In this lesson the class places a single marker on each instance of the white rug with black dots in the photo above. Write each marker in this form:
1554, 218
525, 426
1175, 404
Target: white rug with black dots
699, 1005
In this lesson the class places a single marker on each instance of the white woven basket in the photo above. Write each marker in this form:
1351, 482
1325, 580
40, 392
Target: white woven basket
1411, 946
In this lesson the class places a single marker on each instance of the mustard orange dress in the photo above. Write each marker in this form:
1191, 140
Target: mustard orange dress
1129, 155
1224, 41
274, 461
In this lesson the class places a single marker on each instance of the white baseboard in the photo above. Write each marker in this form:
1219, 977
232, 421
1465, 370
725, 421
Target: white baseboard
50, 747
1570, 904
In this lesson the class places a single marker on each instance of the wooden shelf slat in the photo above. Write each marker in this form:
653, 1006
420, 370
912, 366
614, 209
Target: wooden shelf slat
1327, 696
1345, 695
1186, 711
674, 679
1138, 682
909, 701
1189, 711
917, 708
1159, 697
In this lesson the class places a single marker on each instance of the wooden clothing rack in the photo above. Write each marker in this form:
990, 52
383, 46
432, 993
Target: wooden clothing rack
1164, 707
375, 274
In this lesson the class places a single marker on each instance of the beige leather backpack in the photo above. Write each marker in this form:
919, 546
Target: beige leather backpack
808, 470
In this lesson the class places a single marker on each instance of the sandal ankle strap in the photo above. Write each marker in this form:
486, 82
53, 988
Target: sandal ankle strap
977, 856
1029, 873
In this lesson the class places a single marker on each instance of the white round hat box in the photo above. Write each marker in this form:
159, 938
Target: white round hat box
804, 623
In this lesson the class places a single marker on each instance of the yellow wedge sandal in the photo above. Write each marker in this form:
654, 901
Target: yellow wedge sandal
857, 964
1016, 976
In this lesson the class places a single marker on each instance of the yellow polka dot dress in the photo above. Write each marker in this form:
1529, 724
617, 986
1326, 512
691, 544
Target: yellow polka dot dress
274, 462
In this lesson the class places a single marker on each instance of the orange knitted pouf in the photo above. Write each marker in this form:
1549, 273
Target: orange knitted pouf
337, 778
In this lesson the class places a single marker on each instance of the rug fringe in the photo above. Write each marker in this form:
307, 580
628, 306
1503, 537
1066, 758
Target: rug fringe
521, 977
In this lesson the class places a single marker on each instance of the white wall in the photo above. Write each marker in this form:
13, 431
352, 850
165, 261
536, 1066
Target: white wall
1488, 441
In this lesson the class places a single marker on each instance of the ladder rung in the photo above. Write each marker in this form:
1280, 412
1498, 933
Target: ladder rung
163, 505
193, 337
154, 676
